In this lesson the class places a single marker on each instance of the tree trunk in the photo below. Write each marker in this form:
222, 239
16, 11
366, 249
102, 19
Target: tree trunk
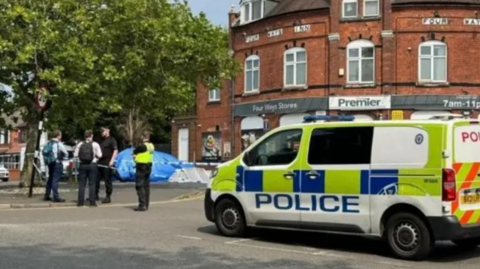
29, 157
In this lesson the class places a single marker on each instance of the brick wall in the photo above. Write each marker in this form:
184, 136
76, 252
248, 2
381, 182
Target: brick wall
396, 33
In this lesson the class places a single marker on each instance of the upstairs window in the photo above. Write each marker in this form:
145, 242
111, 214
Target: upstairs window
361, 62
350, 8
295, 73
252, 74
432, 61
214, 95
371, 8
4, 136
252, 10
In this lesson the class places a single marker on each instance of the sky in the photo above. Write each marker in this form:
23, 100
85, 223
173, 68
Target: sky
216, 10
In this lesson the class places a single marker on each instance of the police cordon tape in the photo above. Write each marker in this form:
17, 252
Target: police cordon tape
169, 163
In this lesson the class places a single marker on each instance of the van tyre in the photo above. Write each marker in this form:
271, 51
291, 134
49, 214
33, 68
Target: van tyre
5, 180
229, 218
468, 244
409, 237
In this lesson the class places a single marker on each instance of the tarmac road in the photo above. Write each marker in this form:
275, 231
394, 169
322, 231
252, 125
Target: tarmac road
176, 235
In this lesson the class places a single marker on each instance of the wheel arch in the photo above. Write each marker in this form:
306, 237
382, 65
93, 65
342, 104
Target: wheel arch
234, 199
402, 207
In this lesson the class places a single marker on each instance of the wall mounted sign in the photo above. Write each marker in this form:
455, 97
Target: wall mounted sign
397, 115
252, 38
281, 106
274, 33
471, 21
436, 102
211, 147
435, 21
302, 28
360, 102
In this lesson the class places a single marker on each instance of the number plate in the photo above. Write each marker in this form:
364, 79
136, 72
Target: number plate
471, 197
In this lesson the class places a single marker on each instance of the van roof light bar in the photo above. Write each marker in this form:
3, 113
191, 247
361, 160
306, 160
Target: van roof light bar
314, 118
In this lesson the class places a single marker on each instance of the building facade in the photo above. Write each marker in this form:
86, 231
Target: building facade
374, 59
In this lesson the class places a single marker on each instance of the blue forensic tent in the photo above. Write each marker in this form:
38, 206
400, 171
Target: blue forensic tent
160, 170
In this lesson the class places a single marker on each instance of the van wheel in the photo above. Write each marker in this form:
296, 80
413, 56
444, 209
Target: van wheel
468, 244
229, 218
5, 180
409, 237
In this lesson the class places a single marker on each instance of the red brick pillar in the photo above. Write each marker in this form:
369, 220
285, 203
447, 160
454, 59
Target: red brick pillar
388, 49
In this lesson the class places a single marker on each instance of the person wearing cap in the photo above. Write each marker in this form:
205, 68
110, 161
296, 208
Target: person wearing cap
106, 162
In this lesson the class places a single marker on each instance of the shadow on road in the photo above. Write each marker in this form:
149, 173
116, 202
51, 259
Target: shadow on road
51, 256
444, 251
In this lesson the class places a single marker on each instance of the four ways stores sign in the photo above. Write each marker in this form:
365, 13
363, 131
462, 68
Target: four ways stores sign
359, 102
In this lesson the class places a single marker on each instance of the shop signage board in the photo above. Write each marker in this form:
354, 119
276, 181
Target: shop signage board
360, 102
436, 102
281, 106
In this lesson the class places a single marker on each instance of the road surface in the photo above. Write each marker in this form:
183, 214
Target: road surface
176, 235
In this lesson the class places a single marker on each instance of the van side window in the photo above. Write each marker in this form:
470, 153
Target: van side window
278, 149
352, 145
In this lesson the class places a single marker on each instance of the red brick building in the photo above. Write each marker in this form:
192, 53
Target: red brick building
12, 141
375, 59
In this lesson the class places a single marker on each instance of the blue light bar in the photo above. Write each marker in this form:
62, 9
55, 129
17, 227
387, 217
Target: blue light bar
314, 118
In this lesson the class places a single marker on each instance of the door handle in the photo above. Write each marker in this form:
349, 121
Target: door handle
289, 175
312, 175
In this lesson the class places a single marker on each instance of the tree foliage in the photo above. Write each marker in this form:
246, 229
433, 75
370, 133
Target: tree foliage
116, 56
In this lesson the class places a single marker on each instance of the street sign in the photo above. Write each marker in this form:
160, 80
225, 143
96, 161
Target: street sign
41, 99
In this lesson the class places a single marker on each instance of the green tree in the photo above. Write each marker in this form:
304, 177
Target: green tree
49, 42
156, 53
139, 59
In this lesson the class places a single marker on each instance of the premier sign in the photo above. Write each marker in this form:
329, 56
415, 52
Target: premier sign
360, 102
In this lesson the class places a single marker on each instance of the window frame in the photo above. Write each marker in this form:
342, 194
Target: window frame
432, 57
265, 139
294, 51
252, 58
249, 3
307, 156
343, 9
365, 8
4, 136
360, 44
217, 95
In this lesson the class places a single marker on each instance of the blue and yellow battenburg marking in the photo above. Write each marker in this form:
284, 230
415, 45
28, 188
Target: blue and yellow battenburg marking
363, 182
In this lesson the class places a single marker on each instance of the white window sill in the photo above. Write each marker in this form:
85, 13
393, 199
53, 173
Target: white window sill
433, 84
294, 87
351, 85
251, 93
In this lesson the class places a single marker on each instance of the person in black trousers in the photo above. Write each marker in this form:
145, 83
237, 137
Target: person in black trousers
88, 152
106, 162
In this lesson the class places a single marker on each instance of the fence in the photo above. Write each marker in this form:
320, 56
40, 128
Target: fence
11, 161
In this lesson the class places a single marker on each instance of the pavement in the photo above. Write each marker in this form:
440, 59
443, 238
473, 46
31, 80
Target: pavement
124, 193
175, 234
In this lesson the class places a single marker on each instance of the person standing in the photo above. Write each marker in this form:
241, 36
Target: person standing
57, 153
106, 162
88, 153
143, 155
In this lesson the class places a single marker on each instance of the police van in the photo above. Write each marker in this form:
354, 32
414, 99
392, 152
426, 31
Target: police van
409, 182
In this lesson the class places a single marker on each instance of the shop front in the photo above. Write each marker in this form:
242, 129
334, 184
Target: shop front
423, 107
257, 118
363, 108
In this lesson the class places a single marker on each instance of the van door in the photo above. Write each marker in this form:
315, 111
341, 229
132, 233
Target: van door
335, 179
270, 179
466, 163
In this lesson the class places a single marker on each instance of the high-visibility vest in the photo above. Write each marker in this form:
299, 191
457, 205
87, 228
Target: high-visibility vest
147, 156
